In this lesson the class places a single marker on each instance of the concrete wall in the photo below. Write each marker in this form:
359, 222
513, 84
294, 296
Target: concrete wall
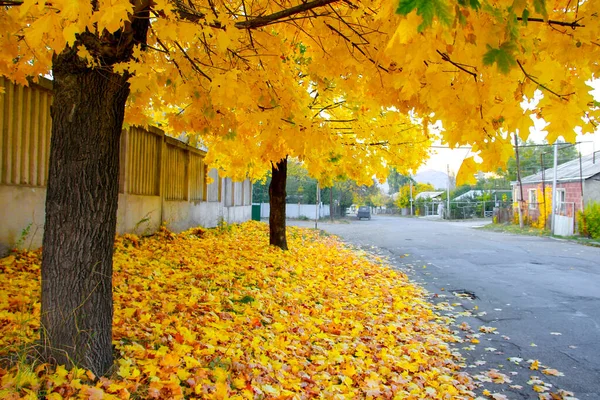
297, 210
22, 214
21, 207
182, 215
138, 214
591, 190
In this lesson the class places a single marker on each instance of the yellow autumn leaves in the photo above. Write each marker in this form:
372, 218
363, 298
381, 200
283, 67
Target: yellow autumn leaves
219, 314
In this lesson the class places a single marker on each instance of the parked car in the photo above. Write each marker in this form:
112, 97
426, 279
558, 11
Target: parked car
363, 212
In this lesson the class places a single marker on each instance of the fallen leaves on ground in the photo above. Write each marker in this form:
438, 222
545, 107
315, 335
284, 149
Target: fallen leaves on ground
220, 314
489, 382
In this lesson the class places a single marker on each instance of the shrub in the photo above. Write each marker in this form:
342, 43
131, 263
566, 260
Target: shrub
589, 221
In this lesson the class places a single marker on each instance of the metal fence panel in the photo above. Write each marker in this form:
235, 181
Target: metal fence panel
197, 191
175, 173
143, 162
25, 128
213, 189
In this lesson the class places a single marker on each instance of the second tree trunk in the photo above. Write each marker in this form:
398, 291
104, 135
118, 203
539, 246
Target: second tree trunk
277, 197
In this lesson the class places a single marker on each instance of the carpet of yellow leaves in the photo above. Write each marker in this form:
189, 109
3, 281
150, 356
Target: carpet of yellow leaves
218, 313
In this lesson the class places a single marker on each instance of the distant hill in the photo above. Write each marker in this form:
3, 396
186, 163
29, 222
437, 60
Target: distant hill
438, 179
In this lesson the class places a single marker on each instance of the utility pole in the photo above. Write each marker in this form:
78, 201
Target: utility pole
331, 203
448, 192
553, 215
519, 180
544, 184
411, 197
317, 205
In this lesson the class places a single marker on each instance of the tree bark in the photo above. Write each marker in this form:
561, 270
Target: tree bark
277, 197
81, 214
331, 203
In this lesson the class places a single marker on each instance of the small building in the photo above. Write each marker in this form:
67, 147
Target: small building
495, 194
430, 196
577, 184
431, 202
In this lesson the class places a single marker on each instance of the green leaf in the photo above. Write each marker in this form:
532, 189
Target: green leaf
406, 6
493, 11
434, 8
503, 57
475, 4
231, 135
427, 10
525, 16
540, 8
512, 27
244, 300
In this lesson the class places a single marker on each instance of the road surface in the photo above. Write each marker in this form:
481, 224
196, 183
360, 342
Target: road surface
541, 294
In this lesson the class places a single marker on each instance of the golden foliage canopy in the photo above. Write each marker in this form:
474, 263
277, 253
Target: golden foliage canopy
260, 80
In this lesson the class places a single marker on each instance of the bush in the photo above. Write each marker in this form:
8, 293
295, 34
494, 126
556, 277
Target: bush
589, 221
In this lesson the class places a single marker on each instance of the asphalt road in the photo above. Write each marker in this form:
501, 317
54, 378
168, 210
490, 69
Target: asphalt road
542, 295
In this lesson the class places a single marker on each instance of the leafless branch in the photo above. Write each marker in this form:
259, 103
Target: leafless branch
572, 24
532, 78
447, 58
260, 21
194, 65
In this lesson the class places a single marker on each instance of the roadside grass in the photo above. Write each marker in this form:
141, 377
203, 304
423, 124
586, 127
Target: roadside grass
582, 240
220, 314
531, 231
516, 229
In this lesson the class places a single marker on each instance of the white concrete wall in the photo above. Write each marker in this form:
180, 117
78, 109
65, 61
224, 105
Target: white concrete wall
138, 214
182, 215
22, 206
237, 214
297, 210
591, 190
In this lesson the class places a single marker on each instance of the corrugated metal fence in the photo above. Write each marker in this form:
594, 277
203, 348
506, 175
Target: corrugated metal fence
142, 163
152, 164
25, 128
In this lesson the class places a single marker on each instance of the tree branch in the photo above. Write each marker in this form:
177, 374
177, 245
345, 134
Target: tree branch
258, 22
192, 62
193, 15
446, 57
573, 24
532, 78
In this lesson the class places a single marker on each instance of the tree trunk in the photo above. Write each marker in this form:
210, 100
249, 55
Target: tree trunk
277, 196
331, 203
81, 214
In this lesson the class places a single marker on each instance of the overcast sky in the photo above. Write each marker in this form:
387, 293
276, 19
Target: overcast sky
441, 158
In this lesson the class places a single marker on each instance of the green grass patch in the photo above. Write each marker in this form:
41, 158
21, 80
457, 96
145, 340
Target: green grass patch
516, 229
531, 231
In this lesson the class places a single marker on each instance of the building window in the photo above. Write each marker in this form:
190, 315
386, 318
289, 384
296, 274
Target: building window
532, 199
561, 197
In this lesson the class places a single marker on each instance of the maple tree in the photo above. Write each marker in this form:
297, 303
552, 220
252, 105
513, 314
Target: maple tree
396, 180
408, 192
263, 80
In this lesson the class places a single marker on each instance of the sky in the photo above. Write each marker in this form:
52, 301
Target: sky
442, 158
